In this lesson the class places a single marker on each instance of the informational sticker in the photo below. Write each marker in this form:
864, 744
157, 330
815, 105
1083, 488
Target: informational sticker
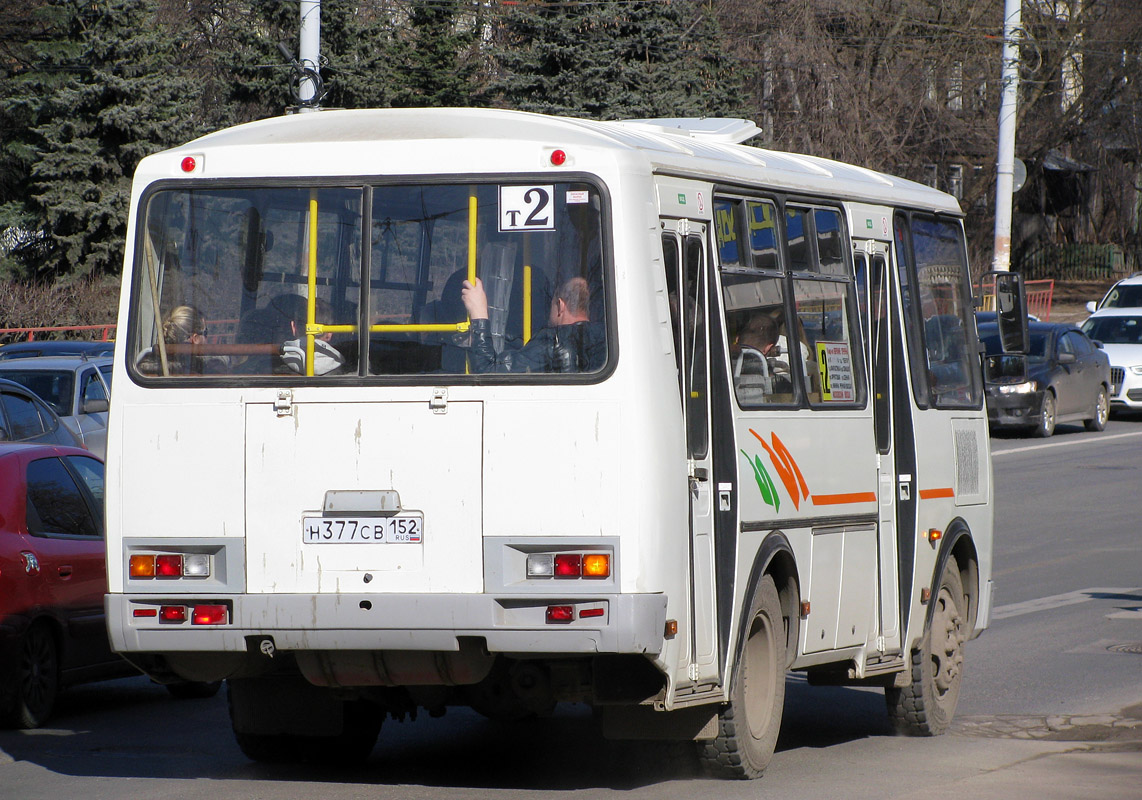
701, 203
836, 366
527, 208
884, 226
681, 199
578, 196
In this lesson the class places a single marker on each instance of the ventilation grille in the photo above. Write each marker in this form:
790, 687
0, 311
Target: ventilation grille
967, 463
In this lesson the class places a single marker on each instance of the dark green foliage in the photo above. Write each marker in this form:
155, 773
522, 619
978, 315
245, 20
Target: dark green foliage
613, 60
435, 62
105, 91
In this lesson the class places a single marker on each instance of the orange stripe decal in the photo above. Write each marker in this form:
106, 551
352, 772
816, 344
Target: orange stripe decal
932, 494
843, 499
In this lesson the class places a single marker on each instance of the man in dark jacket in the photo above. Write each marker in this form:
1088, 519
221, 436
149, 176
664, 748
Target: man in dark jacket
570, 343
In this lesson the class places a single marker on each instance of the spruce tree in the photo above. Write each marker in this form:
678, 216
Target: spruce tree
107, 91
613, 60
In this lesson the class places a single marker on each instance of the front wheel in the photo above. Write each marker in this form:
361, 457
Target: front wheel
1046, 425
1101, 412
748, 725
925, 707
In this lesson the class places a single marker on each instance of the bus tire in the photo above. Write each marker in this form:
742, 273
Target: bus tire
926, 706
748, 725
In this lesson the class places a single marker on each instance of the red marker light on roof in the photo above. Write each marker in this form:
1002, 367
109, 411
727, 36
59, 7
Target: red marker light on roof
189, 164
558, 158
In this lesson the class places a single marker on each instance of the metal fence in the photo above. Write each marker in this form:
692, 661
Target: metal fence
1077, 262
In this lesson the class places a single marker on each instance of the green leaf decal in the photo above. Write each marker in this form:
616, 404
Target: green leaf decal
764, 483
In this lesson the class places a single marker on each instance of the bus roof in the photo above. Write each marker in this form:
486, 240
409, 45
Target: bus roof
703, 148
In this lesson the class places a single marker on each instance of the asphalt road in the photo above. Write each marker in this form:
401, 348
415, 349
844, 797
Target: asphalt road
1051, 705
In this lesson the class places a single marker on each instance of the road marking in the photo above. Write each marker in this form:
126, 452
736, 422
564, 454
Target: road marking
1060, 600
1045, 446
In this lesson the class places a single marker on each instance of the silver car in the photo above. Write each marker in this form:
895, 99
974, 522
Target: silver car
77, 388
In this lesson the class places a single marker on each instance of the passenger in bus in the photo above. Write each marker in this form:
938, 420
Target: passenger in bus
571, 342
185, 328
757, 358
327, 359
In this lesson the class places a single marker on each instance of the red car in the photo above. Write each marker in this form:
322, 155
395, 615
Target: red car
52, 579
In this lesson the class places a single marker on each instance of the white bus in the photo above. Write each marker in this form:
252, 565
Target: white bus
721, 418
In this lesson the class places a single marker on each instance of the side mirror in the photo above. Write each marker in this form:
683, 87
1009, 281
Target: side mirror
1067, 358
1010, 311
94, 406
1091, 306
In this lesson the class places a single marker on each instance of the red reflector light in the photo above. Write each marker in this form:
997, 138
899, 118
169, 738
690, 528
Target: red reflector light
591, 612
172, 613
168, 566
560, 613
558, 158
209, 615
188, 164
146, 612
568, 565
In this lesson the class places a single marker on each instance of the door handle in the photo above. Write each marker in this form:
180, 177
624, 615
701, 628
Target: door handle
65, 571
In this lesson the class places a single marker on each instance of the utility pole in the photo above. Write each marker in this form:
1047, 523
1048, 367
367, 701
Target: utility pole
1005, 161
309, 81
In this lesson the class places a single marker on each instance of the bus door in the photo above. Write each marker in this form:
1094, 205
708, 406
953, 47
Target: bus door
873, 276
684, 251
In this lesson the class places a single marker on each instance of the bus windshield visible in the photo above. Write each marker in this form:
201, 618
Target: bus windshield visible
267, 280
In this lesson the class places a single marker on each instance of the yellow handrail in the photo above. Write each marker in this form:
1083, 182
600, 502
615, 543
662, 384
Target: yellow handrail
311, 301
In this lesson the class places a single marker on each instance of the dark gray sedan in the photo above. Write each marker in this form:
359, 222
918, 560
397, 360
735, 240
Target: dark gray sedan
1067, 379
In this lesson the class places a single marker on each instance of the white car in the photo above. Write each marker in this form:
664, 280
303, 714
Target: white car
77, 388
1120, 332
1127, 293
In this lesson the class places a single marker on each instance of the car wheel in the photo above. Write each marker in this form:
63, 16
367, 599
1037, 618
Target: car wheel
37, 683
1046, 425
1101, 412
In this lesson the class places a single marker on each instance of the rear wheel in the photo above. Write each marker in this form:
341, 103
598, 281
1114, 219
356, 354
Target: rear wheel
927, 705
361, 724
37, 683
749, 723
1046, 425
1101, 412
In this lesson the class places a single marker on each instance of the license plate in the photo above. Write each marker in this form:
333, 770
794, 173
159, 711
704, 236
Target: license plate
399, 529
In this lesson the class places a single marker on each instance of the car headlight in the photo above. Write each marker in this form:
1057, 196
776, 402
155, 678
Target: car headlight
1017, 388
1137, 370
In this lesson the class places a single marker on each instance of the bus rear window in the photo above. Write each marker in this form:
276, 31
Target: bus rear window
359, 281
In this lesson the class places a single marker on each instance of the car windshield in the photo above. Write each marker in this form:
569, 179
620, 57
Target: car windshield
1114, 330
54, 387
1037, 347
1124, 296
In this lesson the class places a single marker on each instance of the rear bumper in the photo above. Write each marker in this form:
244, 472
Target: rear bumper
630, 623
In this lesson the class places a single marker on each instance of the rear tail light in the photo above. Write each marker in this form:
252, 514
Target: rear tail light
172, 613
569, 565
560, 613
215, 614
169, 565
143, 566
